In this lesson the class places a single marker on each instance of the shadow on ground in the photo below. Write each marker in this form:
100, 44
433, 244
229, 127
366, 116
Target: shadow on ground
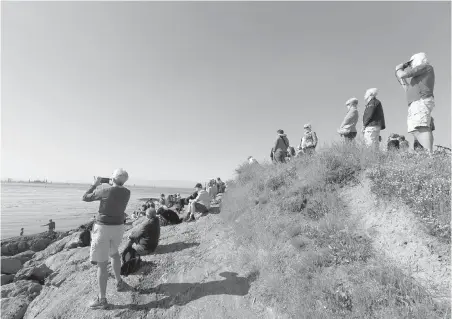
214, 210
171, 248
182, 293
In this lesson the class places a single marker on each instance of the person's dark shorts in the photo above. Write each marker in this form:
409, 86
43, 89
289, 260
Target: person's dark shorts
200, 208
350, 136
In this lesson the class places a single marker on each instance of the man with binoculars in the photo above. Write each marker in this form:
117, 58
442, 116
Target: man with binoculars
108, 229
419, 93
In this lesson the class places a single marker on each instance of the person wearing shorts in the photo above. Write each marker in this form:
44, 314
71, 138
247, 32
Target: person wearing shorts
420, 98
200, 204
108, 230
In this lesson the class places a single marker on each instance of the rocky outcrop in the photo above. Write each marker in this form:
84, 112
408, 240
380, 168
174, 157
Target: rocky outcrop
37, 242
38, 273
25, 256
6, 279
17, 296
10, 265
14, 308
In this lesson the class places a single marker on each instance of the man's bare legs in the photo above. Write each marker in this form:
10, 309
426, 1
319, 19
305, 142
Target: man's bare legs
116, 265
425, 137
102, 278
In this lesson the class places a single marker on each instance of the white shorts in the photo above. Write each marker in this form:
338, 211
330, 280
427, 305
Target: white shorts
419, 114
105, 241
372, 136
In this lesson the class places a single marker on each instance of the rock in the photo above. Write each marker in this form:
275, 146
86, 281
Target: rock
10, 265
25, 256
20, 288
73, 241
22, 246
6, 279
5, 250
38, 273
40, 244
14, 308
51, 250
12, 248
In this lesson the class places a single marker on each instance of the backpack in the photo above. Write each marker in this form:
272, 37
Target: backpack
131, 261
85, 238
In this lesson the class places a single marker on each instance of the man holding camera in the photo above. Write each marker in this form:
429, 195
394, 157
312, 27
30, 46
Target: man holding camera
108, 229
419, 93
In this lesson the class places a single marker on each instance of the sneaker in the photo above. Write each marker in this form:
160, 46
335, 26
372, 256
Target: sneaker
121, 286
98, 303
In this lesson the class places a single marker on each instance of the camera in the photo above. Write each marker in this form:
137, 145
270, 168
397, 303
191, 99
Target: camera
407, 64
105, 180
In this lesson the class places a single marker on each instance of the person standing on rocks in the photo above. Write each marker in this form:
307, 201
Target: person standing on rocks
51, 225
21, 231
108, 230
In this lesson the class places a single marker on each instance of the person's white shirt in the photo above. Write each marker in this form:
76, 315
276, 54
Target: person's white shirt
252, 160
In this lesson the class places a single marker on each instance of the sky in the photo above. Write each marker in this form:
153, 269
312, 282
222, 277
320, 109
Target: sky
187, 91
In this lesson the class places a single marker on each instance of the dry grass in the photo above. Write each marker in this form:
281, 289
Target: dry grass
313, 261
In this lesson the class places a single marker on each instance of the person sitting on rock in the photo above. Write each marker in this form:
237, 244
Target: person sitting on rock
168, 217
51, 225
200, 204
145, 237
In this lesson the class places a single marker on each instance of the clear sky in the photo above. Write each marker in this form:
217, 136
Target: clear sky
188, 90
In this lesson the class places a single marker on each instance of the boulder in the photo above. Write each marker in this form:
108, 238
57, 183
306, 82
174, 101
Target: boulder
5, 250
25, 256
22, 246
20, 288
38, 273
12, 248
6, 279
40, 244
73, 241
51, 250
14, 308
10, 265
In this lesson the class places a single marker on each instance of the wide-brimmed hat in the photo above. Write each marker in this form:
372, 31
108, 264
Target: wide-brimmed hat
352, 101
280, 131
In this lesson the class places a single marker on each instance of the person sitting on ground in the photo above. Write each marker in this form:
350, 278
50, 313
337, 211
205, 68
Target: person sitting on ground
108, 230
347, 129
168, 217
212, 189
162, 200
145, 237
309, 140
403, 143
221, 185
393, 142
280, 148
200, 204
51, 225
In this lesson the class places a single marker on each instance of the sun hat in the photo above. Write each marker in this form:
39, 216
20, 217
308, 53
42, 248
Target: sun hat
353, 100
371, 92
120, 176
280, 131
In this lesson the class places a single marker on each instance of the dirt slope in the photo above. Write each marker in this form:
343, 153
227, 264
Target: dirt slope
192, 275
400, 237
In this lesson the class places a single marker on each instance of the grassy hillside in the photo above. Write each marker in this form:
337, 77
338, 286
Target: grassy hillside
313, 259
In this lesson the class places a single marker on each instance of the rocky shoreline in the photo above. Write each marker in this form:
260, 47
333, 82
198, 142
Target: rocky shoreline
24, 266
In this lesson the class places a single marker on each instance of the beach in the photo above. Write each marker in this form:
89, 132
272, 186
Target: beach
30, 205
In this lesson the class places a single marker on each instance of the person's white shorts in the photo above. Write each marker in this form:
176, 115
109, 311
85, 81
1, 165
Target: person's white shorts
419, 114
105, 241
372, 135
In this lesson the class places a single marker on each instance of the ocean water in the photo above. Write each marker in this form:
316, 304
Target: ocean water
30, 205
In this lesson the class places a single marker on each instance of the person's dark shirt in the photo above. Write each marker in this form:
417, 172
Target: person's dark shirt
169, 215
147, 234
373, 114
113, 203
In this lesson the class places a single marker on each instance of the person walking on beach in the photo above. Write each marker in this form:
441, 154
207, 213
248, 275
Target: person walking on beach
21, 232
108, 230
51, 225
373, 119
347, 130
280, 148
420, 98
145, 237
